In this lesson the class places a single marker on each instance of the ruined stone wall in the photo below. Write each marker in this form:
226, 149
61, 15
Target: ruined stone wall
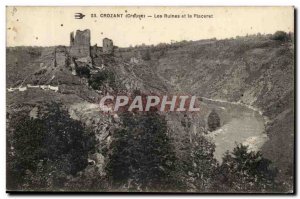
96, 51
60, 56
72, 39
108, 46
80, 44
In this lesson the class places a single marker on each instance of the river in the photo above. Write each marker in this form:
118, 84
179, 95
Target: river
243, 125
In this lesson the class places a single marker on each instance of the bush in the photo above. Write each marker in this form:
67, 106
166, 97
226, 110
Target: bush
47, 149
142, 157
145, 54
280, 36
204, 163
213, 121
83, 72
199, 165
101, 78
245, 171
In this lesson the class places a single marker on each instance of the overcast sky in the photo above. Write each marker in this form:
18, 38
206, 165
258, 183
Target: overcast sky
49, 26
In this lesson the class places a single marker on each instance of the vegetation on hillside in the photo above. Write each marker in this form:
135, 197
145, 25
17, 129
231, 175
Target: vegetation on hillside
45, 150
246, 171
280, 36
102, 78
51, 152
213, 121
83, 72
141, 156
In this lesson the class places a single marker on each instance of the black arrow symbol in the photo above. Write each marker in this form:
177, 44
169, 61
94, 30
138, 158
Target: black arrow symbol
79, 15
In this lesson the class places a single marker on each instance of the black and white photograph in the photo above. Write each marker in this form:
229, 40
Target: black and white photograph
144, 99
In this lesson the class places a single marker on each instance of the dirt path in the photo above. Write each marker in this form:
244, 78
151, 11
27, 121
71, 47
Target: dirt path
24, 88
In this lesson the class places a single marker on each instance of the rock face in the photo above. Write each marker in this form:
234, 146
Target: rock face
108, 46
80, 44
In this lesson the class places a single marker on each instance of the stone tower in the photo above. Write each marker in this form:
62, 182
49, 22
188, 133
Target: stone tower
80, 44
108, 46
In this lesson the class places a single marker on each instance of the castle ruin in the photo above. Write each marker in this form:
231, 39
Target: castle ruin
60, 56
80, 44
81, 54
108, 46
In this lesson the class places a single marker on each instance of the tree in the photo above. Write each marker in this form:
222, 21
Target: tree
213, 121
204, 165
145, 54
101, 78
47, 149
141, 156
244, 171
280, 36
83, 72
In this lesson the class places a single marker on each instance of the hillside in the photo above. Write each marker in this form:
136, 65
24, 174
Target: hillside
254, 71
248, 81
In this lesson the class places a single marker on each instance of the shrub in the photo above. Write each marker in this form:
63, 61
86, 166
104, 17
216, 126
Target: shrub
47, 149
145, 54
245, 171
213, 121
142, 157
203, 163
101, 78
280, 36
83, 72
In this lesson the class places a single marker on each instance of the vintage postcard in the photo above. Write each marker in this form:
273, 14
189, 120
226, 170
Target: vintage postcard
150, 99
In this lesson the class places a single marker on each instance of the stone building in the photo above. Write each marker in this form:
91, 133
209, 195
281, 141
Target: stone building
108, 46
80, 44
